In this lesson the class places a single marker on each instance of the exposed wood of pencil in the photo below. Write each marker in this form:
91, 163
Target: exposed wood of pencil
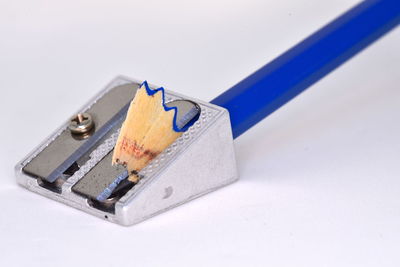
146, 132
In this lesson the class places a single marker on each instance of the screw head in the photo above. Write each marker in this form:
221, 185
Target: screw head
80, 124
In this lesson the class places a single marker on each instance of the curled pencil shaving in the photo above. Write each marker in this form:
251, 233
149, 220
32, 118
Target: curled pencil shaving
149, 128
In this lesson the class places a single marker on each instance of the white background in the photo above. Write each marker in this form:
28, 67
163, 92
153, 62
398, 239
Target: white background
320, 178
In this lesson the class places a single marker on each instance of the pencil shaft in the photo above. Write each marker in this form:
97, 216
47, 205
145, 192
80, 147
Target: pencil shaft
266, 90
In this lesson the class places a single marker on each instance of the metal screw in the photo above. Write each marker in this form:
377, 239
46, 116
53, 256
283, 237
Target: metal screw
82, 123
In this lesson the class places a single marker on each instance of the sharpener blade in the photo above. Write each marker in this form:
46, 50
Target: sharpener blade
100, 182
200, 161
108, 113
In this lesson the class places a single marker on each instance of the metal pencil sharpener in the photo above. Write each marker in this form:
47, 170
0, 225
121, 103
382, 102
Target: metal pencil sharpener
74, 163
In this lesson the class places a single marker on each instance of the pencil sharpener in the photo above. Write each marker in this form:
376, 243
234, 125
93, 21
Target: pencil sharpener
74, 163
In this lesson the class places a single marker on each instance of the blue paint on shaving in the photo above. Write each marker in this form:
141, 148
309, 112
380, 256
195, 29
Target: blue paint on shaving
175, 126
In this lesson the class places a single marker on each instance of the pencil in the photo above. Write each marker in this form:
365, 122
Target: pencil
148, 129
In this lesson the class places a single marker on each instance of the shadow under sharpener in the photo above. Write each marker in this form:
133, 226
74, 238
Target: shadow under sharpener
200, 161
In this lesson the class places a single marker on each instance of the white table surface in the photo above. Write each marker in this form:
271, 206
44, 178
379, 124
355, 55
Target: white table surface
320, 178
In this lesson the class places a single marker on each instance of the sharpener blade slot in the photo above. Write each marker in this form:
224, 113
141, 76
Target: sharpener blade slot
66, 154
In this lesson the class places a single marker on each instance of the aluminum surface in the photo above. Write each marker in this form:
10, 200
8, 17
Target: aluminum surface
200, 161
65, 150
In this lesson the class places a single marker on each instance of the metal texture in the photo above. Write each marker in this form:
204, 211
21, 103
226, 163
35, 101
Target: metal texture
270, 87
198, 162
81, 124
201, 161
98, 178
56, 157
99, 182
187, 111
